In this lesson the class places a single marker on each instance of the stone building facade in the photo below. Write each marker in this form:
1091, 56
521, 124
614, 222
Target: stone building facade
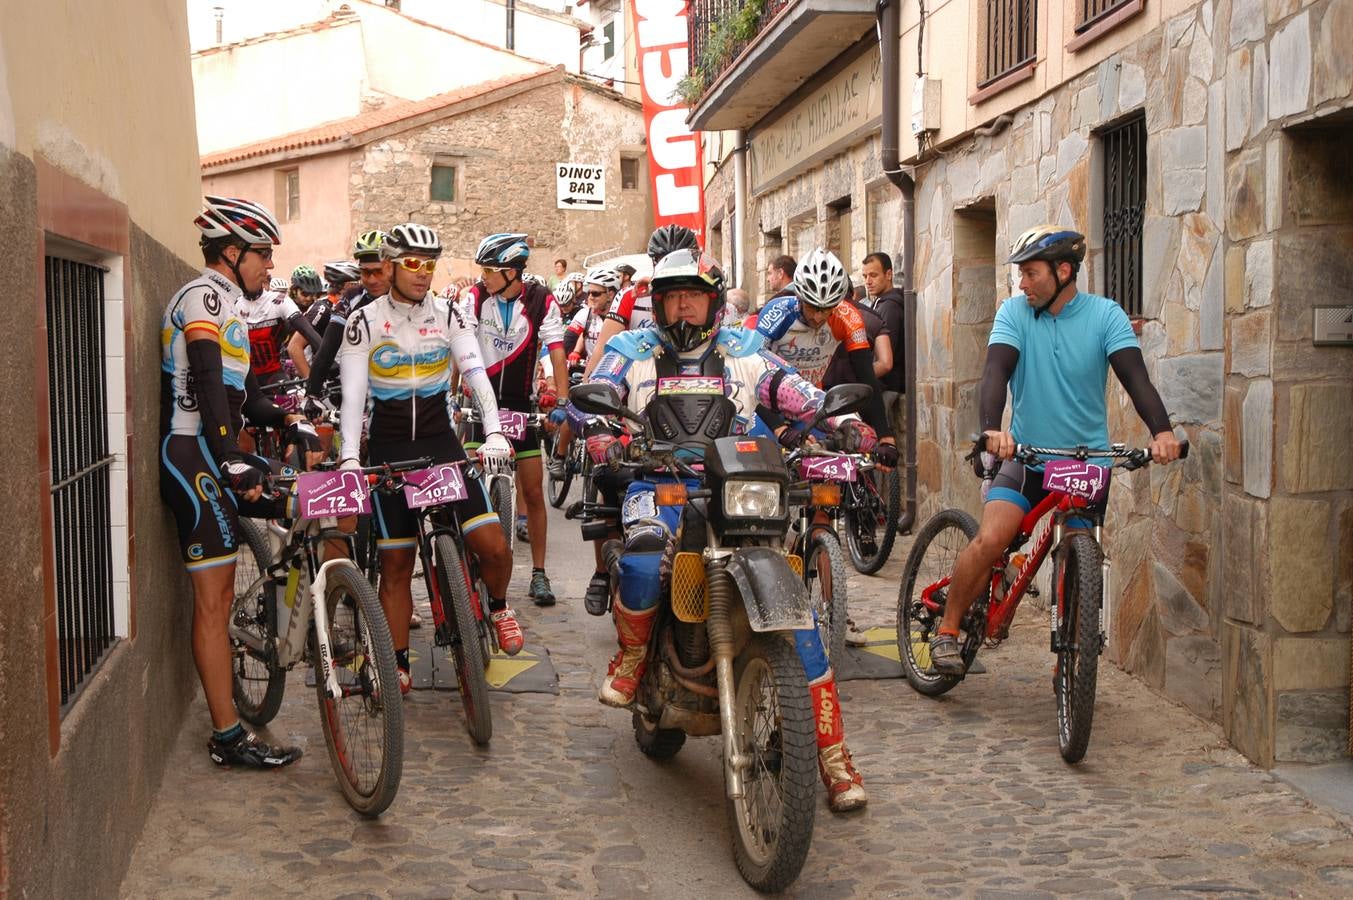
1233, 571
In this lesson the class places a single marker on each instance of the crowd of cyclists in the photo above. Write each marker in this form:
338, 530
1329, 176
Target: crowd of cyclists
365, 342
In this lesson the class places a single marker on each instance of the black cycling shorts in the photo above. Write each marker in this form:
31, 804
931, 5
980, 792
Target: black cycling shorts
1018, 484
396, 525
205, 510
526, 448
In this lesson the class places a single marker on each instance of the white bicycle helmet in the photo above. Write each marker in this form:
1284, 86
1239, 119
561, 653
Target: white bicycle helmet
280, 285
228, 216
411, 238
821, 281
603, 276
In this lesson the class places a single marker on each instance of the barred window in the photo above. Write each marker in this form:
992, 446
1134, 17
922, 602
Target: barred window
1011, 28
1124, 208
1091, 12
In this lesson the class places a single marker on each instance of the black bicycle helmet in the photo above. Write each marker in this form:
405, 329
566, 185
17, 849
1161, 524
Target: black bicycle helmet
669, 239
687, 269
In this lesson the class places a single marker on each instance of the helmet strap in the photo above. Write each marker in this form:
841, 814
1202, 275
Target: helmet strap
1061, 286
239, 279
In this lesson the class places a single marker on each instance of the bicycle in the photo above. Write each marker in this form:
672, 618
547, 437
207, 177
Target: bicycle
290, 608
1077, 487
825, 474
871, 503
459, 601
502, 486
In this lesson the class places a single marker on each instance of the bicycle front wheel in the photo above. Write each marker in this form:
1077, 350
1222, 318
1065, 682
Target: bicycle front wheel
256, 680
824, 574
871, 522
466, 650
502, 494
1078, 589
557, 488
364, 724
929, 567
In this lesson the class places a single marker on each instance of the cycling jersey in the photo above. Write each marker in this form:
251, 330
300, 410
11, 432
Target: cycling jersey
586, 325
205, 306
808, 349
401, 355
839, 369
511, 334
331, 339
633, 308
266, 318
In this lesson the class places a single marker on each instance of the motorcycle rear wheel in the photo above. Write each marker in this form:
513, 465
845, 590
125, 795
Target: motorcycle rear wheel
772, 823
655, 742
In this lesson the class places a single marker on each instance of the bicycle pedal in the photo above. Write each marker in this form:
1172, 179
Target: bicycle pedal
575, 509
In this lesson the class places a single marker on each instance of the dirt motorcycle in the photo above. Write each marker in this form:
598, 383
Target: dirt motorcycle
721, 656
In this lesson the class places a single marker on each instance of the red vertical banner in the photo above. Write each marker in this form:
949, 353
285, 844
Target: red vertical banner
676, 175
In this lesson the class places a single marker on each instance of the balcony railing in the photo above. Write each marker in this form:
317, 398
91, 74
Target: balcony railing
1011, 29
720, 30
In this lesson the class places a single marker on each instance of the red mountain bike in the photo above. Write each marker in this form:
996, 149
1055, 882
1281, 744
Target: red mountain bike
1072, 535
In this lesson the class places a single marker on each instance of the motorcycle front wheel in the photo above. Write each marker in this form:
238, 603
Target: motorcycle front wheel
772, 823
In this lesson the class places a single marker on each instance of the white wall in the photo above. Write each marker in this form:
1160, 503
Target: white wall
538, 37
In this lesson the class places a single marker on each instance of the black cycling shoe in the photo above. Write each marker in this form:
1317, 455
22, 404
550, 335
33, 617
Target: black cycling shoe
247, 750
597, 600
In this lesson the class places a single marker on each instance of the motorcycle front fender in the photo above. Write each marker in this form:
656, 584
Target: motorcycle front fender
774, 596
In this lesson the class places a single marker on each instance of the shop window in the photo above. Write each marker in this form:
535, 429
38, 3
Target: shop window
1011, 28
838, 231
802, 237
1124, 149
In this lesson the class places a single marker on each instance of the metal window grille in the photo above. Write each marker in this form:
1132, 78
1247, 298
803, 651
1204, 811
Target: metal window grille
1089, 12
81, 494
1124, 206
1011, 36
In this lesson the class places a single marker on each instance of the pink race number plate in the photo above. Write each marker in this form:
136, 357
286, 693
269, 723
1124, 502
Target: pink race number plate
514, 424
1079, 479
341, 493
828, 468
434, 486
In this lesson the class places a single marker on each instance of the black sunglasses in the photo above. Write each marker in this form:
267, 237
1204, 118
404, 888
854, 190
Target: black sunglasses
601, 293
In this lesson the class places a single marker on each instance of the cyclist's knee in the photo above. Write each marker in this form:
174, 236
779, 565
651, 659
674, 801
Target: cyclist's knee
397, 563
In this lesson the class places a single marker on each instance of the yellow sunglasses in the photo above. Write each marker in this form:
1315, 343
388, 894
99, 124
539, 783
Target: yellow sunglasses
414, 264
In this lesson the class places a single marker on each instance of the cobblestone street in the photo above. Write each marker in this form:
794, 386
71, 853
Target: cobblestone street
968, 796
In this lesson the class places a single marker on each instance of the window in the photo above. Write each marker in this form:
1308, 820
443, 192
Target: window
802, 237
629, 173
883, 221
1011, 27
1124, 206
287, 187
1091, 12
443, 183
608, 30
83, 479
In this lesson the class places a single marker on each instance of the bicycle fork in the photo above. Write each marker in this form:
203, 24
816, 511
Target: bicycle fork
325, 663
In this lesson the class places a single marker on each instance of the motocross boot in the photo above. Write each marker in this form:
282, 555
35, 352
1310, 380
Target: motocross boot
845, 787
627, 667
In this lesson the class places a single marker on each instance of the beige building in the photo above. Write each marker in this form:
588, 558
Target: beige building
468, 163
1202, 148
97, 163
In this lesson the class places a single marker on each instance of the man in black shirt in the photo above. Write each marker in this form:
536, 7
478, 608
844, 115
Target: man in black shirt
887, 302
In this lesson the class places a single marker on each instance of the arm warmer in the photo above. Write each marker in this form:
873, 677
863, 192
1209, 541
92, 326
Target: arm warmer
862, 361
321, 364
1130, 368
352, 369
258, 409
299, 324
204, 365
1001, 362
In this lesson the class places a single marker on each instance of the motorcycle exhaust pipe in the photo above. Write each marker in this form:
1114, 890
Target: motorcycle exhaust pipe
719, 626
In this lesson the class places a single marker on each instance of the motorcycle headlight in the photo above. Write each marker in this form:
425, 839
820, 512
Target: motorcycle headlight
752, 500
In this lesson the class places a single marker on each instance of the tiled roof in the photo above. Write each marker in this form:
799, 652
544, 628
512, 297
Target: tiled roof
334, 20
350, 132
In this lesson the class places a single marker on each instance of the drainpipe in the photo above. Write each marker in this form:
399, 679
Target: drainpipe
739, 201
890, 33
511, 10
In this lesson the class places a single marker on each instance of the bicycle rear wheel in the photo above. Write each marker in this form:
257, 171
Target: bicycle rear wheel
931, 563
364, 725
824, 574
502, 494
466, 650
556, 489
256, 680
1078, 591
871, 523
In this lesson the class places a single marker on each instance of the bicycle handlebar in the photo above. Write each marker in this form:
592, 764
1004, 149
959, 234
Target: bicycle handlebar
1027, 453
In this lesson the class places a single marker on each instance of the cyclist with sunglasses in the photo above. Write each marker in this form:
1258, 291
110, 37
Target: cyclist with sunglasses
806, 327
516, 317
398, 351
207, 390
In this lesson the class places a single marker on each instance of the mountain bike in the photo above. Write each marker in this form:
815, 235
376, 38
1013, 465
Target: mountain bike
502, 482
870, 507
290, 608
825, 475
1080, 610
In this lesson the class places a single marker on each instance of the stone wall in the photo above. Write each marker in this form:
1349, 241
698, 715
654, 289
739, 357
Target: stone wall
1232, 569
515, 142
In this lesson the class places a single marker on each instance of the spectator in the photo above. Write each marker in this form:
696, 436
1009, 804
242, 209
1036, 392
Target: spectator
560, 269
739, 304
887, 302
780, 276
